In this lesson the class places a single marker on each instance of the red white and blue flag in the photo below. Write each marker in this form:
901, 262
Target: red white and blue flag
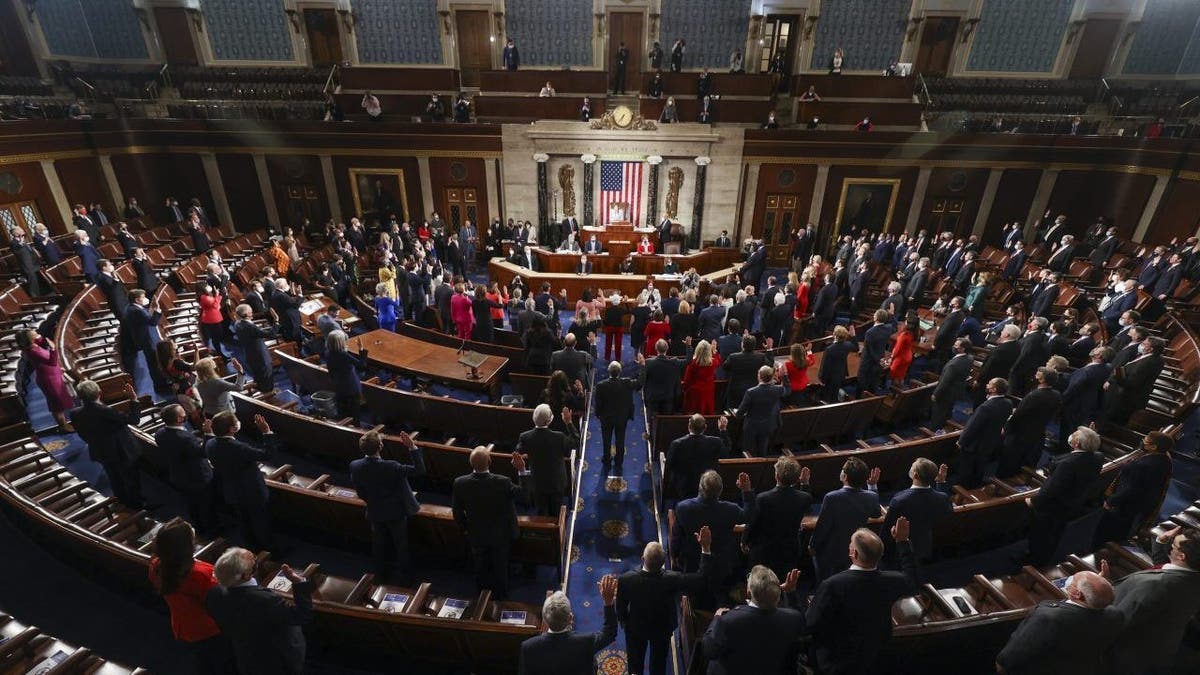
621, 182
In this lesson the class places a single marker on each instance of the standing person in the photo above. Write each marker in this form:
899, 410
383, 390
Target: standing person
646, 603
622, 66
677, 50
699, 380
1064, 493
386, 308
759, 410
484, 507
482, 308
383, 485
656, 56
1025, 431
800, 359
141, 323
874, 351
707, 508
251, 338
1138, 491
28, 260
614, 408
539, 344
188, 467
923, 504
759, 636
1084, 393
184, 584
657, 328
614, 325
981, 439
48, 373
343, 373
902, 352
235, 467
952, 384
370, 103
773, 534
510, 57
662, 375
741, 370
842, 512
109, 441
562, 650
461, 312
212, 321
834, 366
262, 625
546, 449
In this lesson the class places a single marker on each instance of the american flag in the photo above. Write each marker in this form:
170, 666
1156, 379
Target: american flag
621, 182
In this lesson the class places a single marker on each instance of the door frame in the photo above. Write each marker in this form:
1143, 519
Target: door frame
304, 8
494, 45
647, 39
954, 39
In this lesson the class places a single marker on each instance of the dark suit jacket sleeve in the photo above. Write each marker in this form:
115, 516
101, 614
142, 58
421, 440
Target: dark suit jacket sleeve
908, 566
606, 635
417, 468
1033, 638
715, 641
295, 613
1054, 487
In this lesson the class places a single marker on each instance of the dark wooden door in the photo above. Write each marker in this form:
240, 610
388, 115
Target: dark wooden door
175, 34
461, 204
474, 45
946, 215
626, 27
303, 201
774, 225
778, 37
938, 37
324, 42
1096, 45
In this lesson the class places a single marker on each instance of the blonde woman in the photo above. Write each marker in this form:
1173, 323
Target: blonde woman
387, 281
699, 380
685, 327
214, 389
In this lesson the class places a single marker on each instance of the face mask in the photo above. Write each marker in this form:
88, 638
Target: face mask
145, 302
1143, 349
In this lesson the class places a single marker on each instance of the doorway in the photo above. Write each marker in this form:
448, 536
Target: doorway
175, 35
1096, 47
461, 204
303, 202
779, 33
324, 40
474, 44
938, 37
945, 215
626, 27
18, 214
775, 226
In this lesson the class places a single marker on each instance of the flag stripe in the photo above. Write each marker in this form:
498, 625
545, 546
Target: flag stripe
621, 182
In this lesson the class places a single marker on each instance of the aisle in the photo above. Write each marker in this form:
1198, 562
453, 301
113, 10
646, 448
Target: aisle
615, 519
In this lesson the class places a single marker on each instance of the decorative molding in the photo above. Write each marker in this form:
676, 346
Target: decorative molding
914, 25
607, 123
541, 157
589, 158
654, 160
703, 161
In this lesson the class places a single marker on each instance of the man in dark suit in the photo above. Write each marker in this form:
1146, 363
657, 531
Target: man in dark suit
999, 360
773, 533
688, 457
113, 290
200, 241
1060, 260
1082, 346
1025, 431
914, 287
188, 467
29, 261
545, 450
1033, 355
562, 650
752, 269
109, 441
1044, 294
235, 468
947, 331
850, 616
252, 339
1052, 233
842, 512
759, 409
441, 299
584, 266
741, 369
834, 364
647, 600
1127, 322
723, 240
613, 400
980, 440
1013, 236
1158, 605
1085, 390
743, 309
1130, 386
1063, 495
141, 324
1122, 302
1164, 288
759, 636
89, 255
576, 364
1061, 636
720, 516
661, 379
82, 223
383, 485
1138, 491
1105, 249
484, 506
1016, 260
1132, 338
263, 626
824, 308
923, 504
777, 323
874, 349
593, 246
952, 384
286, 302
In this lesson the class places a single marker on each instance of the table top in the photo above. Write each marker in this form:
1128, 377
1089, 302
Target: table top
314, 306
393, 351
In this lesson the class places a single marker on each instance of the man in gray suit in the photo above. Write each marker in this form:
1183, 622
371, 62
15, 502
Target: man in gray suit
759, 410
1157, 605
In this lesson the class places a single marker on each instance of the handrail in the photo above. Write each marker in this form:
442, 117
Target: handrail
329, 80
164, 75
1102, 89
1183, 106
924, 88
91, 90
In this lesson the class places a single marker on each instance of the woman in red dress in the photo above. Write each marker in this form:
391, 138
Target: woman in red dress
802, 293
184, 583
645, 247
902, 352
699, 380
656, 329
800, 358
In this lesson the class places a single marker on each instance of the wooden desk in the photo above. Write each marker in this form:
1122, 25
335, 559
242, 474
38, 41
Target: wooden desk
725, 110
618, 232
417, 358
685, 85
705, 261
628, 284
532, 81
855, 86
533, 107
308, 319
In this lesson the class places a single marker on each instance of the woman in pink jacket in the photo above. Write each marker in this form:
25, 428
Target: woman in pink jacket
461, 314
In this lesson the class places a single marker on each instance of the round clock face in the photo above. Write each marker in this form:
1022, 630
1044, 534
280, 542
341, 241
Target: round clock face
623, 116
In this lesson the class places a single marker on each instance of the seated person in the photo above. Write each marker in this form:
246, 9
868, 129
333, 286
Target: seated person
645, 247
723, 241
810, 94
670, 266
814, 123
865, 124
547, 90
593, 245
771, 122
570, 245
626, 266
583, 267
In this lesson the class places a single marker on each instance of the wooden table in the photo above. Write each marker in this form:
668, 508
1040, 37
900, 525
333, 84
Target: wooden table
417, 358
629, 284
310, 312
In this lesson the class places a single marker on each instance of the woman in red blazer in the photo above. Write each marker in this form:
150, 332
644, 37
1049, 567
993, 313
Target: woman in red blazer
184, 583
902, 352
656, 329
699, 380
645, 247
800, 358
212, 322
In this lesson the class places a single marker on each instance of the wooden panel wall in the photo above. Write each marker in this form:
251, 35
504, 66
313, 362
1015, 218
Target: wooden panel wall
1087, 195
442, 172
83, 182
242, 190
953, 183
152, 177
34, 188
1013, 196
1178, 213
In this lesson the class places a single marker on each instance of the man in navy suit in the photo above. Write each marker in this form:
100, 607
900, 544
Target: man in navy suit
1083, 345
1105, 249
690, 456
981, 439
923, 504
1025, 431
952, 384
759, 410
383, 485
1121, 303
999, 360
141, 324
484, 506
741, 369
773, 534
89, 256
1044, 294
711, 319
235, 467
1013, 237
1016, 260
754, 266
1033, 355
824, 308
188, 467
874, 349
1085, 389
1138, 491
661, 381
1150, 269
850, 616
1063, 495
914, 287
834, 366
947, 331
1168, 281
593, 245
109, 441
759, 636
583, 266
842, 512
720, 516
561, 649
251, 338
613, 401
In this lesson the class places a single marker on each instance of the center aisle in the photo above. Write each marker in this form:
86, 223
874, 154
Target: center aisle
616, 517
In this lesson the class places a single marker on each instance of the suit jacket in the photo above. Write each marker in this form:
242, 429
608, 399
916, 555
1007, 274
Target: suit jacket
1078, 351
573, 362
742, 372
952, 384
188, 467
647, 601
114, 291
383, 485
720, 517
999, 361
773, 533
1139, 488
1131, 386
752, 271
251, 337
1069, 485
834, 369
914, 289
546, 449
106, 431
1157, 605
825, 306
89, 258
850, 616
1081, 400
147, 280
1119, 305
744, 312
1060, 637
235, 464
690, 456
1104, 251
760, 405
1168, 281
1060, 261
567, 653
981, 435
711, 320
1043, 299
752, 641
263, 626
1015, 262
1027, 426
875, 345
484, 506
842, 512
662, 378
614, 399
1034, 354
924, 507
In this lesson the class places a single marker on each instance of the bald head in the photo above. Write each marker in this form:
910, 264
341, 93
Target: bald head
481, 460
1091, 589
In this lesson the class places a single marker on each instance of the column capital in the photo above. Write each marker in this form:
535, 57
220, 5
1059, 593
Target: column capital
703, 161
541, 157
587, 158
654, 160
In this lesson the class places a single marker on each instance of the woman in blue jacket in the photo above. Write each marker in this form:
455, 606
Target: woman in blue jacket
386, 308
343, 371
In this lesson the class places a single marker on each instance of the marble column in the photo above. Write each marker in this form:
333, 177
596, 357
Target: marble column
1156, 195
335, 202
59, 195
652, 190
698, 202
212, 173
986, 202
589, 182
114, 186
818, 198
543, 195
268, 194
918, 201
1041, 200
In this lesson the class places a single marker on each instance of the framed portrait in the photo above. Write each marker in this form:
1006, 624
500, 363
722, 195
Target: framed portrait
866, 203
379, 193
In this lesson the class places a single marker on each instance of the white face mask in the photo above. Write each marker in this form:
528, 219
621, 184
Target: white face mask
1144, 349
145, 302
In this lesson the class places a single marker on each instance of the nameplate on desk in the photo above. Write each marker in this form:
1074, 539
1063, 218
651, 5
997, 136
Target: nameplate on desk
513, 618
472, 359
311, 306
393, 603
453, 609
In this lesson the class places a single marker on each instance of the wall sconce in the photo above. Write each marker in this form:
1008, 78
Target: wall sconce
445, 14
1130, 29
810, 22
968, 28
654, 23
349, 20
599, 24
1073, 30
914, 24
197, 19
294, 17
